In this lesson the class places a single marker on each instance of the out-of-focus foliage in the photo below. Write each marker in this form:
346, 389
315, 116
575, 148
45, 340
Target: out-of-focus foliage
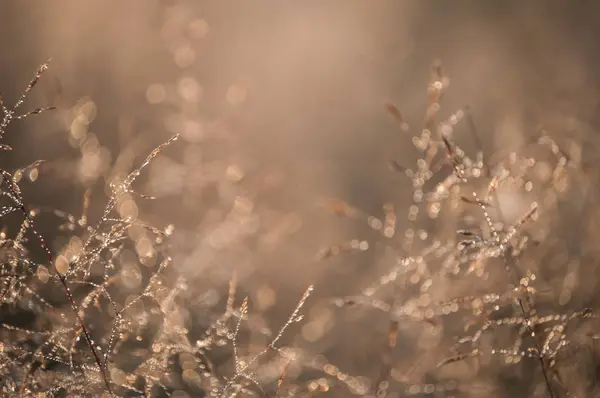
175, 239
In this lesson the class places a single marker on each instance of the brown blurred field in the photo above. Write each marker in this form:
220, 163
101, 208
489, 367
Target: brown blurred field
282, 106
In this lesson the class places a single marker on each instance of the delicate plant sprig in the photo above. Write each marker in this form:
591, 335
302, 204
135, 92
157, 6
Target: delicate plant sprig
472, 252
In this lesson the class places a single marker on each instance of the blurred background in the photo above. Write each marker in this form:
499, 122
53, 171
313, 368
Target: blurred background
279, 105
